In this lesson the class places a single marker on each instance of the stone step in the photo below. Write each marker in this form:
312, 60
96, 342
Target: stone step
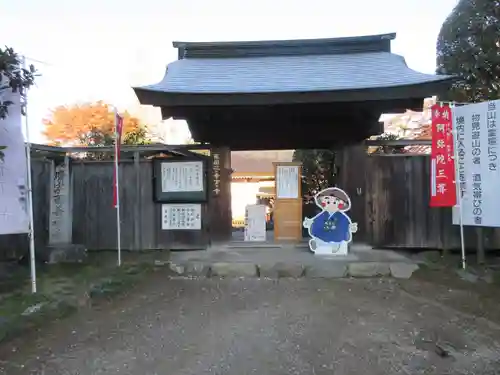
262, 245
332, 270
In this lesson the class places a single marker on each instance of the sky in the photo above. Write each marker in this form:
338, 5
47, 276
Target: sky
98, 49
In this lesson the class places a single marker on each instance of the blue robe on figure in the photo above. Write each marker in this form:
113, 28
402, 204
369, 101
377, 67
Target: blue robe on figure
332, 228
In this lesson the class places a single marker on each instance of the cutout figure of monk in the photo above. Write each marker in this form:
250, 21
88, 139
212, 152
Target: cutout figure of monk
331, 230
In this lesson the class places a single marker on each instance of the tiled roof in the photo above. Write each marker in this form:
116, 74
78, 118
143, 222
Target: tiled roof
302, 73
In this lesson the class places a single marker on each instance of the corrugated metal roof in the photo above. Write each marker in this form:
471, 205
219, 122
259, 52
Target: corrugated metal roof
275, 74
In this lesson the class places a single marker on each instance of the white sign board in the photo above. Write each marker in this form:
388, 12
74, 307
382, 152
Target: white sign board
181, 176
13, 186
255, 222
477, 164
181, 216
287, 182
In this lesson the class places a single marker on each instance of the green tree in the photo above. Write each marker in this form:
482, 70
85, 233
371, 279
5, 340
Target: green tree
468, 46
13, 76
318, 170
137, 136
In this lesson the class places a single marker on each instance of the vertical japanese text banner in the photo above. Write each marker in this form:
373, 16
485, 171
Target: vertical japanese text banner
443, 188
477, 140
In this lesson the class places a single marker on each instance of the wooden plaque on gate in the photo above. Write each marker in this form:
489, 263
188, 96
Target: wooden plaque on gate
288, 202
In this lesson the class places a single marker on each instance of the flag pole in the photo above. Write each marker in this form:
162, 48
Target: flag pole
31, 230
117, 190
459, 191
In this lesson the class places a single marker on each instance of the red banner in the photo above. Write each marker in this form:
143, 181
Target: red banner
118, 141
443, 188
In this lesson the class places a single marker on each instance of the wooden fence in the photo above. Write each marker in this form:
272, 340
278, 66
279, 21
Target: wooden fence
389, 193
397, 207
94, 217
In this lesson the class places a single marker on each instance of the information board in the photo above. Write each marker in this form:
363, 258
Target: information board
181, 216
477, 164
180, 180
255, 222
182, 177
287, 182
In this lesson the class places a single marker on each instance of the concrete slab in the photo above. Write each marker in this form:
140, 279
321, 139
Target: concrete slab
368, 269
234, 270
402, 270
327, 271
293, 260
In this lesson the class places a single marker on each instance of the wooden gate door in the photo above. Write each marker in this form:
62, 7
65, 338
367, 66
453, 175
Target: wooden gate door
351, 163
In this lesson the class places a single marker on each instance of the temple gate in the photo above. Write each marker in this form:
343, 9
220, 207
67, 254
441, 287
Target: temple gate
290, 94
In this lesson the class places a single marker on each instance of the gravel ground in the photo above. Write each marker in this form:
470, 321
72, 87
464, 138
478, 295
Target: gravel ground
252, 326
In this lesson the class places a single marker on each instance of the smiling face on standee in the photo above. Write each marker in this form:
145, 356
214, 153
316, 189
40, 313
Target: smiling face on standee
332, 204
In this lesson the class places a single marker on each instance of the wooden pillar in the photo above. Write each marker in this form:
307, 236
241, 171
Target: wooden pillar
288, 202
220, 194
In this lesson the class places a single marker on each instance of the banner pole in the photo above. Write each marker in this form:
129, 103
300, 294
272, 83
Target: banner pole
457, 186
117, 188
31, 230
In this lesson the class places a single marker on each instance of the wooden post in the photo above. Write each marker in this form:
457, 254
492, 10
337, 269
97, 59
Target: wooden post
220, 194
288, 202
137, 203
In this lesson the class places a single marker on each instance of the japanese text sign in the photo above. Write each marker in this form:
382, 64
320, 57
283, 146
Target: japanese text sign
216, 172
478, 171
443, 188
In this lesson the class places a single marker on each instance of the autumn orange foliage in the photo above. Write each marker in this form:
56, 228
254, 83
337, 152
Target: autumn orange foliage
70, 125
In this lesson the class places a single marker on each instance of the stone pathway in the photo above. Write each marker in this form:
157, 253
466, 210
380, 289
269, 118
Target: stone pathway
275, 261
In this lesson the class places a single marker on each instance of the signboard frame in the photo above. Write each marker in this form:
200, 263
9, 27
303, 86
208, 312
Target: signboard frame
288, 211
194, 206
473, 124
160, 196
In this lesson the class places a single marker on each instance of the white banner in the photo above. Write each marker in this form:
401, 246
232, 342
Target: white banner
13, 194
477, 164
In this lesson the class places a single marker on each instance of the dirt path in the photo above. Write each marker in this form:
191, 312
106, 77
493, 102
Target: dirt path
183, 326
